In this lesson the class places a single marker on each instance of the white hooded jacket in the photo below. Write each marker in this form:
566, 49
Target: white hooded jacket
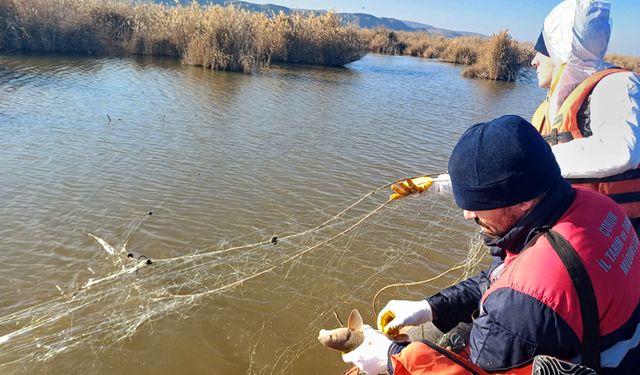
576, 33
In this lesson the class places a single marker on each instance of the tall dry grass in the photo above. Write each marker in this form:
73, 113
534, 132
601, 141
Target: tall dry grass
631, 63
463, 50
426, 45
45, 26
227, 38
384, 41
316, 39
223, 38
5, 11
498, 57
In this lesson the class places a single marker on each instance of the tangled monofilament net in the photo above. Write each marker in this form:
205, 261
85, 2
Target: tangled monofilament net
134, 290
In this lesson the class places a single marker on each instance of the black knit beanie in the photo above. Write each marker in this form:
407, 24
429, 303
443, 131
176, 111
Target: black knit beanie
501, 163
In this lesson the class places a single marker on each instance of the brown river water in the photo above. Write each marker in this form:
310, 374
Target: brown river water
198, 171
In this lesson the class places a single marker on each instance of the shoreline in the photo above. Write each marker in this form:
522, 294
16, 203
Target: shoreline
227, 38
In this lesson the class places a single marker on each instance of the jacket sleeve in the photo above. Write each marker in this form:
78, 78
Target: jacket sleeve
515, 327
457, 303
615, 122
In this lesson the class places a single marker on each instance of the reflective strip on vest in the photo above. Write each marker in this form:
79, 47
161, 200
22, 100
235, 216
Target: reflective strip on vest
624, 190
613, 356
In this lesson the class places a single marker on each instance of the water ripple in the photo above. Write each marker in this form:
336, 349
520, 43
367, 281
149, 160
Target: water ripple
176, 159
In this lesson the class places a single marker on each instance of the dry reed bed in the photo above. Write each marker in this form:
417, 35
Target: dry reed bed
223, 38
625, 62
499, 57
227, 38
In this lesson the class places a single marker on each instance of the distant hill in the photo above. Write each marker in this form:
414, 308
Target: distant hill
361, 19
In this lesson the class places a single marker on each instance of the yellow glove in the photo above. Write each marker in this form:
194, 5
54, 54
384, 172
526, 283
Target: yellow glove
383, 320
410, 186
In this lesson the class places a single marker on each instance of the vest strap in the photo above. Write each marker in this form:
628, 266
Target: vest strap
451, 356
586, 295
555, 137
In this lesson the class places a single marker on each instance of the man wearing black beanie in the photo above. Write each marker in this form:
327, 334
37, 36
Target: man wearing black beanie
564, 281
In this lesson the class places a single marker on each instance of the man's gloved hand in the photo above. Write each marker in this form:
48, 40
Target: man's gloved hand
410, 186
418, 185
371, 356
399, 313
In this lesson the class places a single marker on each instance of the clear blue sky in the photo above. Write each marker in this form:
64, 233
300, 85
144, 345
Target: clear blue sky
522, 18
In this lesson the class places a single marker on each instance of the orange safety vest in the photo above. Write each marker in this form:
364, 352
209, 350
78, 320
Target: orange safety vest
623, 188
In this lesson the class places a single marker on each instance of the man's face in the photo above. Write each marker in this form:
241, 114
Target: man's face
495, 223
544, 69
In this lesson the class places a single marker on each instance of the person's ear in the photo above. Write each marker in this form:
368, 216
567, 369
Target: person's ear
527, 205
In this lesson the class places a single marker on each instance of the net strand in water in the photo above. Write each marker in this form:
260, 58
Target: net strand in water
136, 291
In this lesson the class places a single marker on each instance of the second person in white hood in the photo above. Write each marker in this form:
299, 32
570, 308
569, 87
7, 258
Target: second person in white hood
596, 140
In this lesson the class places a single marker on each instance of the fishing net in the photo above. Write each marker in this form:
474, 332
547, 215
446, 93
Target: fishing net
339, 263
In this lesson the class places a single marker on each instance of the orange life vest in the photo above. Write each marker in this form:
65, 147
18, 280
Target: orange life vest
426, 358
623, 188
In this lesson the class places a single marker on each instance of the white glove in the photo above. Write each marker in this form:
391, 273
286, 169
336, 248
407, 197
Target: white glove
398, 313
442, 183
371, 356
